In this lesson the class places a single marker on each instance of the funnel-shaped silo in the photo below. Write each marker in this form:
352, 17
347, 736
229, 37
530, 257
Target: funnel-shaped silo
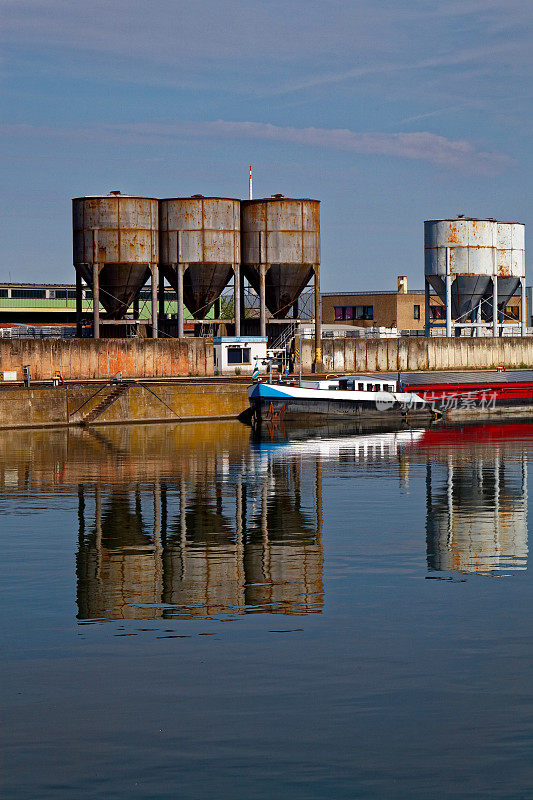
509, 264
282, 236
118, 234
470, 261
463, 250
200, 243
467, 292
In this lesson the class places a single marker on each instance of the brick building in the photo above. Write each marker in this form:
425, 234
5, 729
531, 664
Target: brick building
403, 309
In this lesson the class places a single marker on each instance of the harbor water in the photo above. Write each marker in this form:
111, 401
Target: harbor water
193, 611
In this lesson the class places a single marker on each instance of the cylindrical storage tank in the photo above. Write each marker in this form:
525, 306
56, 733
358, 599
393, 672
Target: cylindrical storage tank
472, 252
510, 262
204, 235
120, 234
283, 234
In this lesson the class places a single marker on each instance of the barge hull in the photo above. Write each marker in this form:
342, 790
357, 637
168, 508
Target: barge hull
264, 408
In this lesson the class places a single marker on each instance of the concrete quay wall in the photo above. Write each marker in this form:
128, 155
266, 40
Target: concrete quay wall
406, 354
102, 359
82, 359
71, 405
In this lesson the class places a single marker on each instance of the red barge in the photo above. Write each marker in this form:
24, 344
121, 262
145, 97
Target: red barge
455, 397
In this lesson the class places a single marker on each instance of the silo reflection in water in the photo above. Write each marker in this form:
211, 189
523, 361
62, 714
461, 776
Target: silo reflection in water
119, 563
476, 509
209, 543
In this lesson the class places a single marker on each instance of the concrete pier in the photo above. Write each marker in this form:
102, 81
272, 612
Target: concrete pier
100, 403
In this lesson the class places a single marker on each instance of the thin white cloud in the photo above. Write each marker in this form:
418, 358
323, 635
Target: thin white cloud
420, 146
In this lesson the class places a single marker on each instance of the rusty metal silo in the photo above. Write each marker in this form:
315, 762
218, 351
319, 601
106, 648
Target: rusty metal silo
474, 266
280, 254
116, 248
200, 246
509, 267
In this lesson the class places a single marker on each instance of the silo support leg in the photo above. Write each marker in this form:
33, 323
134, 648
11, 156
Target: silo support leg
523, 312
448, 305
96, 301
154, 301
180, 269
495, 305
237, 298
241, 290
262, 302
79, 305
161, 296
216, 328
318, 365
427, 310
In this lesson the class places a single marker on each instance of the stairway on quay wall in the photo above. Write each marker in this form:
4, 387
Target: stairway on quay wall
129, 401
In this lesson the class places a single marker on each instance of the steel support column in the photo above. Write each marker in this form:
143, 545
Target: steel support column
495, 331
216, 313
262, 302
448, 305
161, 297
523, 313
96, 301
153, 268
427, 310
79, 305
237, 298
180, 269
318, 365
478, 319
242, 315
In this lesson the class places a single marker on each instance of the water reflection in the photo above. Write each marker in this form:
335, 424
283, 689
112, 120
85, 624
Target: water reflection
234, 533
198, 521
476, 497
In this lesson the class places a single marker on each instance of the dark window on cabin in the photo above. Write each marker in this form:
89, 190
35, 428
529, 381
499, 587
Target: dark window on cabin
361, 387
238, 355
348, 312
339, 311
416, 312
4, 293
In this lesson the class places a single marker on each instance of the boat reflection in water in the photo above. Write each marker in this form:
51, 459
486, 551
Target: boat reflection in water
476, 494
235, 533
202, 520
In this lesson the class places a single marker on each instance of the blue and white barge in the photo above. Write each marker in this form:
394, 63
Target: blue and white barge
355, 396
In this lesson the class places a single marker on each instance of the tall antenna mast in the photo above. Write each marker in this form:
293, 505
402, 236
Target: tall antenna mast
251, 189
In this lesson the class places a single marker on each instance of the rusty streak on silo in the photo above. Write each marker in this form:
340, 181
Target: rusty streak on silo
474, 266
200, 246
280, 254
115, 248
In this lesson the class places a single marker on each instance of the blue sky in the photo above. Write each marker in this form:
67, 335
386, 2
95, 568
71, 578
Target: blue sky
388, 111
